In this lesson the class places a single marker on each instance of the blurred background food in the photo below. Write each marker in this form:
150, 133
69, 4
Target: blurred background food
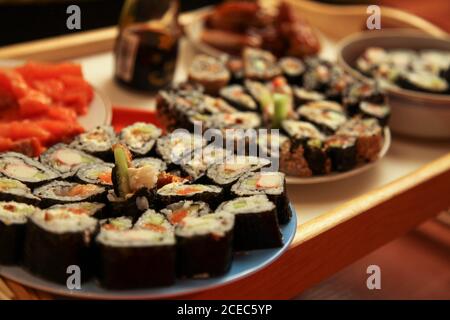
21, 17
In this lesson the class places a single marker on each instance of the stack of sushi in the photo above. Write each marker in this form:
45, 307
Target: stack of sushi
137, 209
329, 121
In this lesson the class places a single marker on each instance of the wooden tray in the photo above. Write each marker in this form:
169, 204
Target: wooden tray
338, 223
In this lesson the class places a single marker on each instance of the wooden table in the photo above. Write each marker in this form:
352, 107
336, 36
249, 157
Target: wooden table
339, 222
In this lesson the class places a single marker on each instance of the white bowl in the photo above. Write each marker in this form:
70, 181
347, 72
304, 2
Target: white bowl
417, 114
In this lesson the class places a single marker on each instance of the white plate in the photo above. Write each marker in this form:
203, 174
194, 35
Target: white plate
343, 175
99, 112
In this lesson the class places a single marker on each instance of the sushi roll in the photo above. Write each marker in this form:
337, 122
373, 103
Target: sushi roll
236, 68
423, 81
97, 142
198, 162
133, 188
135, 258
66, 160
116, 224
381, 112
56, 239
176, 191
328, 121
303, 96
99, 174
91, 209
370, 59
342, 151
256, 223
259, 64
318, 75
176, 212
28, 171
156, 163
237, 97
14, 190
293, 69
175, 146
210, 72
62, 192
227, 172
301, 130
236, 120
13, 219
153, 221
204, 245
369, 135
140, 138
359, 92
272, 184
325, 105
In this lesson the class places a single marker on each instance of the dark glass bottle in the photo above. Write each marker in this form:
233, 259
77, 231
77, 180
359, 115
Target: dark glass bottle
147, 45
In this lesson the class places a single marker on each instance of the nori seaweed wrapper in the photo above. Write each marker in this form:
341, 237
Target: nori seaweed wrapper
135, 267
49, 254
204, 255
11, 242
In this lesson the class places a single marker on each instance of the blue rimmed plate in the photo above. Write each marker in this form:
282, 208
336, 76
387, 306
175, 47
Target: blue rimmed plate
244, 264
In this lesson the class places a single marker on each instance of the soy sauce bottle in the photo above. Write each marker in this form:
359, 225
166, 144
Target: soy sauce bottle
147, 45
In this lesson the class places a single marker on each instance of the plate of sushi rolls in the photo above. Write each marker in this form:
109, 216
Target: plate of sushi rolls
139, 214
413, 68
318, 122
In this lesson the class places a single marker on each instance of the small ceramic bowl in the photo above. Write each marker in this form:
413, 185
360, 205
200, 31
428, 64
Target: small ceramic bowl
417, 114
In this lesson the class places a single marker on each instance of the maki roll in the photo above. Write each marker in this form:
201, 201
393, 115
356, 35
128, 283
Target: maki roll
204, 245
227, 172
260, 65
66, 160
303, 96
342, 151
198, 162
359, 92
423, 81
311, 139
19, 167
236, 120
116, 224
56, 239
293, 69
381, 112
62, 192
177, 191
369, 135
97, 142
175, 146
156, 163
99, 174
370, 59
91, 209
272, 184
14, 190
135, 258
327, 120
256, 223
236, 68
150, 220
132, 191
210, 72
318, 74
140, 138
176, 212
13, 219
237, 97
